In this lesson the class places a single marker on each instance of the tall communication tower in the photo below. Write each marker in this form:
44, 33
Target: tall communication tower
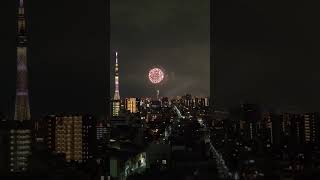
22, 108
116, 98
20, 129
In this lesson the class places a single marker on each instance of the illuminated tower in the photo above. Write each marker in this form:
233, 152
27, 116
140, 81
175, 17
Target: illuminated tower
22, 109
20, 136
116, 98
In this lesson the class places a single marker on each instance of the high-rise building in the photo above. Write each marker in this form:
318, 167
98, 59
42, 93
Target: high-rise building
188, 100
116, 104
138, 104
296, 129
74, 136
101, 131
131, 105
68, 137
311, 128
268, 129
89, 141
20, 136
250, 118
203, 102
206, 102
286, 123
301, 128
102, 137
22, 109
271, 131
51, 132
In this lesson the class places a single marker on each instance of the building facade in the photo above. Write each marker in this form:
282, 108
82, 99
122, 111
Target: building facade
20, 141
131, 105
73, 136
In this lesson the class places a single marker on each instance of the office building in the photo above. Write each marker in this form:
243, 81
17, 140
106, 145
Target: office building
20, 141
311, 128
131, 105
73, 136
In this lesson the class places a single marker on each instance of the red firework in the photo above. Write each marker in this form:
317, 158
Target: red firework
156, 75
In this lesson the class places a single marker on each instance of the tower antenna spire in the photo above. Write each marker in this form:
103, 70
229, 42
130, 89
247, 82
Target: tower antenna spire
116, 98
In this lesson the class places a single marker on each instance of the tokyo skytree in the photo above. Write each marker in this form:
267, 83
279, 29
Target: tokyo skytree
22, 108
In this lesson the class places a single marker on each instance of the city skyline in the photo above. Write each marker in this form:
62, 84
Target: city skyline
74, 74
134, 90
63, 78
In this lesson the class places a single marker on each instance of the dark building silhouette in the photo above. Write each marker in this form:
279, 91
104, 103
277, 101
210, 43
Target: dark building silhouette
271, 129
107, 50
4, 144
165, 102
250, 117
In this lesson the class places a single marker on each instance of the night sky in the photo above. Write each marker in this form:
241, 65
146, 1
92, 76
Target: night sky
67, 56
172, 34
265, 51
